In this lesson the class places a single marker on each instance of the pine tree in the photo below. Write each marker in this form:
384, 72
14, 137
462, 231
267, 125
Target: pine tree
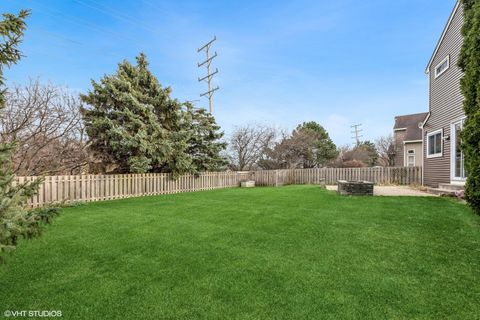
11, 31
470, 64
15, 220
133, 124
323, 150
205, 144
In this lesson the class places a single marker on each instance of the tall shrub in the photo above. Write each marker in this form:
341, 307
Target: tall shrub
134, 125
15, 220
470, 64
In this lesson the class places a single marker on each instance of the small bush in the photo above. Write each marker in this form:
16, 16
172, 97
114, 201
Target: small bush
353, 164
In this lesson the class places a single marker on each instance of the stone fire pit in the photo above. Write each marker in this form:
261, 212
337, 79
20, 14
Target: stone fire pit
247, 184
355, 188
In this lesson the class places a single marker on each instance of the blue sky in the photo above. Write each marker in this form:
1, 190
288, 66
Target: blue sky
281, 62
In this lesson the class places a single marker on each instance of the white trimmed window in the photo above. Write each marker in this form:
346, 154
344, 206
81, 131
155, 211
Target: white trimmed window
442, 67
435, 144
411, 158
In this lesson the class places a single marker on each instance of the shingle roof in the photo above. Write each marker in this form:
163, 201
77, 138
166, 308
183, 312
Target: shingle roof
411, 123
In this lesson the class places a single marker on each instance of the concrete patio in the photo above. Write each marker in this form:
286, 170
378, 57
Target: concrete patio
395, 191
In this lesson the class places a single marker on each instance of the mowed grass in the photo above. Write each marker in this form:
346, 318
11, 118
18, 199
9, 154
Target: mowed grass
295, 252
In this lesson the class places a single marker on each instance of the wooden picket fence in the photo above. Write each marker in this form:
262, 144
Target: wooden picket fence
397, 176
117, 186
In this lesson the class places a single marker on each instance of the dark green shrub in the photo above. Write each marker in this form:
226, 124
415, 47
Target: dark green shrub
470, 83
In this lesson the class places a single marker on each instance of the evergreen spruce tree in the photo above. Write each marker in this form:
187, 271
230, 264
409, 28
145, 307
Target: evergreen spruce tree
133, 124
11, 31
15, 220
205, 144
470, 64
324, 150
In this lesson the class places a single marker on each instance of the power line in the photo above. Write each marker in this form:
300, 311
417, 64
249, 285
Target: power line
113, 13
84, 23
356, 132
55, 13
208, 78
68, 40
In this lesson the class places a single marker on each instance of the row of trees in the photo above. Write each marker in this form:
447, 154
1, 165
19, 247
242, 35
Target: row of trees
127, 123
253, 147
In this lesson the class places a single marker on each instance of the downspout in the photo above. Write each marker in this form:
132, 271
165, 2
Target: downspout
424, 152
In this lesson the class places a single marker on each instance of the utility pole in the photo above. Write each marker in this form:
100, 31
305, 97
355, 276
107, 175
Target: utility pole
208, 78
356, 132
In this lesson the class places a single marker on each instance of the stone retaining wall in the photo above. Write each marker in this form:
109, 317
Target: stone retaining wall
355, 188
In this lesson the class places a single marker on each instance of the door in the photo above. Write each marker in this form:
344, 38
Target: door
458, 160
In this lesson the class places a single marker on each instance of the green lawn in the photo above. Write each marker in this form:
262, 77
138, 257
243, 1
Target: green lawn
294, 252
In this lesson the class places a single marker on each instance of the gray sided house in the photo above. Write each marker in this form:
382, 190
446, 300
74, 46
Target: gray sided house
443, 159
407, 136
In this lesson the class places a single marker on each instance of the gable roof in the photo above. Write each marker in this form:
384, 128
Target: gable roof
457, 5
410, 123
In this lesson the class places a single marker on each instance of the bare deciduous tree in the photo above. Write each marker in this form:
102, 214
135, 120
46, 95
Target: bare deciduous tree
350, 157
248, 145
45, 123
386, 150
363, 155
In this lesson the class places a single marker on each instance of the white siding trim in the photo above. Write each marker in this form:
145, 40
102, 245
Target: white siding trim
406, 155
447, 60
457, 120
453, 142
433, 133
427, 70
424, 122
423, 151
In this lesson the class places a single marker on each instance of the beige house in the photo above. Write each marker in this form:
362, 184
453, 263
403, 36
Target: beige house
408, 141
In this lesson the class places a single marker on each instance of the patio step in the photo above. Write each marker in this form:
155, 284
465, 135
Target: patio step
448, 186
442, 192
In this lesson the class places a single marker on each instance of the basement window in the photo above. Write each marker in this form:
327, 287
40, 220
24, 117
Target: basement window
435, 144
442, 67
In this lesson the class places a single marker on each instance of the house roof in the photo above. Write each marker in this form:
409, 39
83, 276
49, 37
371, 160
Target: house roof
410, 123
457, 5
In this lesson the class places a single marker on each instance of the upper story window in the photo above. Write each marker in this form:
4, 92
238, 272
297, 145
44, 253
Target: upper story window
434, 144
442, 67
